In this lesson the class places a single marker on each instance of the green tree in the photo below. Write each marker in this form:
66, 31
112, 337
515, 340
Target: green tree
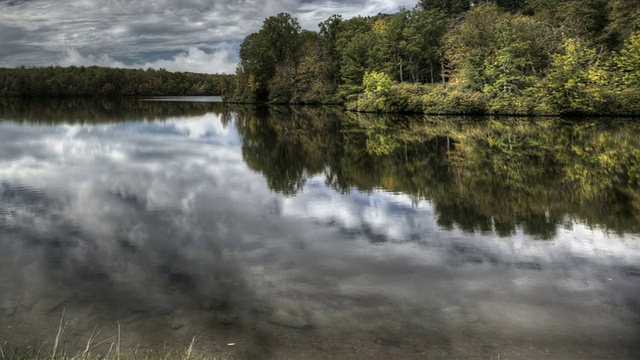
623, 20
329, 31
519, 57
356, 59
315, 81
628, 61
496, 52
354, 42
585, 19
271, 52
422, 46
577, 79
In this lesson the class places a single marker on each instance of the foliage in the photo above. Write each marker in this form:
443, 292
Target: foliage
577, 79
269, 56
421, 46
376, 83
628, 62
585, 19
623, 20
497, 52
313, 74
451, 8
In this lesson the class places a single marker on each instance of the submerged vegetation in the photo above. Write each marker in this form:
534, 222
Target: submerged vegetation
454, 57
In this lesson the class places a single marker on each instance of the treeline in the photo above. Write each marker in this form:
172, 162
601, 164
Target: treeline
454, 56
110, 82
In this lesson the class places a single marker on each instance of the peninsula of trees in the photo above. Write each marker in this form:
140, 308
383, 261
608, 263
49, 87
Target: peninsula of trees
454, 57
107, 82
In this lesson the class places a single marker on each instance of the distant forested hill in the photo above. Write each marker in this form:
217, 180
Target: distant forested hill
103, 81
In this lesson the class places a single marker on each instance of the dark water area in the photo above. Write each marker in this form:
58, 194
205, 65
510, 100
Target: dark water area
311, 233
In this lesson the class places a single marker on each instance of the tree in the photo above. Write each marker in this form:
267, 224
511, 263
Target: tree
329, 30
623, 20
390, 39
495, 51
513, 5
584, 19
282, 35
576, 80
519, 57
315, 82
275, 47
354, 40
422, 46
628, 61
356, 58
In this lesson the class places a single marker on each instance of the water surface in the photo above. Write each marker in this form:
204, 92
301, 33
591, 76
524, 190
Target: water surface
311, 233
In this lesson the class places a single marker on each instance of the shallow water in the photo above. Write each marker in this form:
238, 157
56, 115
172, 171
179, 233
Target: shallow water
308, 233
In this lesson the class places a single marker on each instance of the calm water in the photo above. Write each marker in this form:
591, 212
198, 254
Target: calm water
302, 233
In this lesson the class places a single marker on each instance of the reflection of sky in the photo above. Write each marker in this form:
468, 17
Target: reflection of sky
179, 192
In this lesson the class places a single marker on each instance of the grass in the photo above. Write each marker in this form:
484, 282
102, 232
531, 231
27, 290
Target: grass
114, 353
187, 354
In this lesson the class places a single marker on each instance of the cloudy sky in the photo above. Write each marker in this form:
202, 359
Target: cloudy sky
179, 35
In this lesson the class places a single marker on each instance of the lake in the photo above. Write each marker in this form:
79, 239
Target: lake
311, 233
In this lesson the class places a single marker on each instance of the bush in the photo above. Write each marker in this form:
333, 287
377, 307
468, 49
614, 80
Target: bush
514, 104
453, 101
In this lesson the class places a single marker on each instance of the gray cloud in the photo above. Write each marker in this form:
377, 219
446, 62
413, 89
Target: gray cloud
194, 35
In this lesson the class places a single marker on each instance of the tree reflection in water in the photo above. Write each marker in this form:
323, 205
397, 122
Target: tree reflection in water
481, 174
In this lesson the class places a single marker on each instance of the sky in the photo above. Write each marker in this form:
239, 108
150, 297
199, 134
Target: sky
178, 35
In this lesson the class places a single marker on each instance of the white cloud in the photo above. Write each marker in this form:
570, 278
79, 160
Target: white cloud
73, 57
222, 59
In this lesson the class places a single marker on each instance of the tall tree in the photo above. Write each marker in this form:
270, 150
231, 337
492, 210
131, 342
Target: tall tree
329, 30
584, 19
422, 46
315, 82
275, 47
497, 51
354, 42
576, 79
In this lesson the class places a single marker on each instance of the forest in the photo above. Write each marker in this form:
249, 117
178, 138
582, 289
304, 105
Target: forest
522, 57
55, 81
